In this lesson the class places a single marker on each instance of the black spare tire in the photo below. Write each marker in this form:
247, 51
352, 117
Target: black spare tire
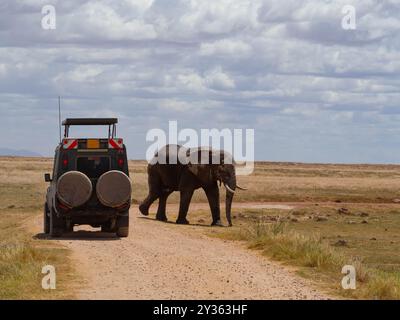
114, 188
74, 189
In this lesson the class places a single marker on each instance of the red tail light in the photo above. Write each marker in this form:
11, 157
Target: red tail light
65, 163
121, 163
63, 207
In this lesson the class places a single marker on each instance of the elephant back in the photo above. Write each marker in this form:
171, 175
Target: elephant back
168, 154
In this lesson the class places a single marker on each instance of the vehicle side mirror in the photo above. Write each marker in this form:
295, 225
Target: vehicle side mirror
47, 177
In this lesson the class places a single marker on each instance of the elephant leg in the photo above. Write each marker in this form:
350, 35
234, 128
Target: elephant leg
145, 205
154, 192
213, 200
161, 214
186, 197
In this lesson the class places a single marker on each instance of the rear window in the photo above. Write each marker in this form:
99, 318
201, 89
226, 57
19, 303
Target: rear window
93, 167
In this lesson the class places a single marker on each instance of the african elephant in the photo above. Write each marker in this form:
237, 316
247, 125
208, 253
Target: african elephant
198, 171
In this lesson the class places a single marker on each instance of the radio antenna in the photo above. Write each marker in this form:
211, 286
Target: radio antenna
59, 116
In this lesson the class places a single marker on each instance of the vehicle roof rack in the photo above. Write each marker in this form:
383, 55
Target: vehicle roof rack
90, 121
110, 122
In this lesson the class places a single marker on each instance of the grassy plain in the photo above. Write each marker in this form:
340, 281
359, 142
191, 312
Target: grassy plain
343, 214
21, 257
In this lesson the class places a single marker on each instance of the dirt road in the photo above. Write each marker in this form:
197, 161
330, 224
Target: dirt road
168, 261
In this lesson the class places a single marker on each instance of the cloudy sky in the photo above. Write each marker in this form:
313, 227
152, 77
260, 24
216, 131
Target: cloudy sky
311, 90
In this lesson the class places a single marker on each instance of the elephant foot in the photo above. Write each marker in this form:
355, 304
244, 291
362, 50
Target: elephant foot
217, 223
144, 210
161, 218
182, 221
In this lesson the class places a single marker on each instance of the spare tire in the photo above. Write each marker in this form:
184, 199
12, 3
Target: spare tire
74, 189
114, 188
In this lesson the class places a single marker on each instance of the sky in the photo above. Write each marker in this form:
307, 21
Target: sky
312, 90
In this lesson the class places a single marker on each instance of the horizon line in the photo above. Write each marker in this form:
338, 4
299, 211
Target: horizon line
256, 161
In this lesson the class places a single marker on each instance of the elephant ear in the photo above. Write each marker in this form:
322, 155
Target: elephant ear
226, 158
193, 168
203, 171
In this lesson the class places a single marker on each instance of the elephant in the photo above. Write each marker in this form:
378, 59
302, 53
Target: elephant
203, 168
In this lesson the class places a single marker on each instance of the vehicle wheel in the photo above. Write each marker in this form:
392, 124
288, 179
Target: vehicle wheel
69, 226
106, 227
123, 232
56, 225
46, 220
123, 226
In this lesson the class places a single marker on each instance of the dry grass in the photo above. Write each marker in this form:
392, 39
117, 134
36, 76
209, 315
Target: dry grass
366, 236
274, 182
21, 257
291, 182
322, 183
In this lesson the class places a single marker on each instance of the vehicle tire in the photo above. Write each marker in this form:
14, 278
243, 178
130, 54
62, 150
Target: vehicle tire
74, 189
123, 226
46, 220
56, 225
106, 227
69, 226
114, 189
123, 232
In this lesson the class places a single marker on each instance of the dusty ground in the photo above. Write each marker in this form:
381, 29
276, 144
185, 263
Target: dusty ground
168, 261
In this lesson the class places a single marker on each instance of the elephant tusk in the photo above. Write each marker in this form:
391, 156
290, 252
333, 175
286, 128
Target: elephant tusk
240, 188
229, 189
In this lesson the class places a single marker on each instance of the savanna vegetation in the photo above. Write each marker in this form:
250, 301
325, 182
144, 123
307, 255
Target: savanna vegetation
21, 257
341, 214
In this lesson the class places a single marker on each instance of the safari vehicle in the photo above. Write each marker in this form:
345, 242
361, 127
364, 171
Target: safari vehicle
90, 183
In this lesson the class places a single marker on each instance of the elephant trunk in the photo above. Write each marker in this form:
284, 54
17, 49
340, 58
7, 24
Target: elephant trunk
230, 191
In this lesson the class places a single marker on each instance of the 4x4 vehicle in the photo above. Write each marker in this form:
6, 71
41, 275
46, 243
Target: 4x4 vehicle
90, 183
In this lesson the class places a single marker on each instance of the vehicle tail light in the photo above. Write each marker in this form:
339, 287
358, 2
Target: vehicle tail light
121, 162
65, 162
63, 207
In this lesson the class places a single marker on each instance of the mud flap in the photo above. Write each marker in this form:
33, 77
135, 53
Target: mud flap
123, 225
46, 220
57, 225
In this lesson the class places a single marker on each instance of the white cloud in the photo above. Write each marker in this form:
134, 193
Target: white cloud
287, 69
3, 70
96, 19
226, 47
82, 73
218, 79
308, 111
191, 81
219, 17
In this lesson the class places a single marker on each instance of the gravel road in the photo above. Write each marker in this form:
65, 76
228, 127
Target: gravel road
167, 261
